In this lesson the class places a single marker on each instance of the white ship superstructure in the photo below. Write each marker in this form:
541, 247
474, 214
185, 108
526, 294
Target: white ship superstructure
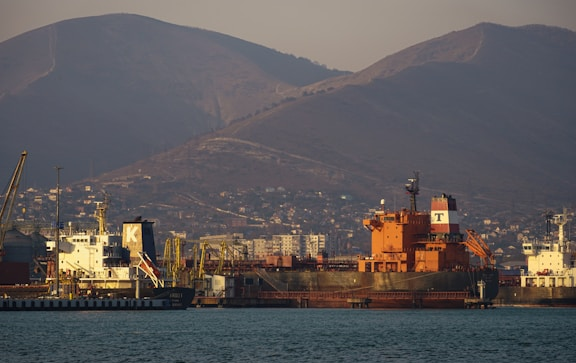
551, 263
100, 260
95, 259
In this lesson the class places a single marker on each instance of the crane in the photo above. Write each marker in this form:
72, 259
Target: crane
172, 258
6, 211
477, 245
223, 249
150, 269
201, 272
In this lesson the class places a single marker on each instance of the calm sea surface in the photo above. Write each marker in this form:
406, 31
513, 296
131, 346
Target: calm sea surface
291, 335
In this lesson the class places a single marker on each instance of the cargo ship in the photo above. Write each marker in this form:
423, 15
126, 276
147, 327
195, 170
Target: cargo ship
98, 270
418, 259
550, 279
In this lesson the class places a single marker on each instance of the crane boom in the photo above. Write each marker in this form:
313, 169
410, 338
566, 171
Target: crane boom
477, 246
6, 211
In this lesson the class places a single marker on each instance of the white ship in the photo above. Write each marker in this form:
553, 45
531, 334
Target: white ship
103, 270
550, 279
551, 263
100, 261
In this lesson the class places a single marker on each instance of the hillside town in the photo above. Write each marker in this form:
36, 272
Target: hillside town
254, 224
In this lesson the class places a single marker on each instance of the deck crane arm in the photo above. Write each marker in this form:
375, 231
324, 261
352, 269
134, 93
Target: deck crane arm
150, 269
476, 245
8, 204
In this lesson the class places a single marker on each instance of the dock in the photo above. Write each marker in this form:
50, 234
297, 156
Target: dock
11, 304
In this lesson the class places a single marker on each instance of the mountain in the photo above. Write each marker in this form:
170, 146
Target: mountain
485, 113
94, 94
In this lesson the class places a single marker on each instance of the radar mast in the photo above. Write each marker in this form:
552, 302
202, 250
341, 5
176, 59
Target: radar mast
412, 188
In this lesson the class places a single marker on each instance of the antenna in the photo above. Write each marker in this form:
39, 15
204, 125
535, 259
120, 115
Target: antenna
413, 189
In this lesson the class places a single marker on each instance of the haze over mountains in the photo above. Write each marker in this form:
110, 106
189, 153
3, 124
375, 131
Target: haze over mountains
97, 93
486, 113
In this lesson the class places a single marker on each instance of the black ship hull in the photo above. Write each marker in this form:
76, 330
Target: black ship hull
536, 296
380, 281
371, 289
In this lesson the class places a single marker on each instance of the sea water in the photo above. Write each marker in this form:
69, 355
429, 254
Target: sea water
290, 335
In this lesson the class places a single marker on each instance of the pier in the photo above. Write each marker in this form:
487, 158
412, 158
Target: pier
10, 304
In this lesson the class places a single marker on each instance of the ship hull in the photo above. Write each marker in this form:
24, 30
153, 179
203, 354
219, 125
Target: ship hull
380, 281
536, 296
373, 290
180, 297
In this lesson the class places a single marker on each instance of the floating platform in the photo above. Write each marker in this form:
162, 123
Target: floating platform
478, 303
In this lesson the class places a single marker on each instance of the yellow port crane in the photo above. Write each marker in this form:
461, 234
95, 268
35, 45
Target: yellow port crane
222, 258
173, 259
201, 272
10, 197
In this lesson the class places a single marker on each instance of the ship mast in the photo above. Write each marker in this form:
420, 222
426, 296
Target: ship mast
100, 214
560, 220
413, 189
549, 216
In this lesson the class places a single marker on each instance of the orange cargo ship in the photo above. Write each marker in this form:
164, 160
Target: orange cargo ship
418, 259
410, 240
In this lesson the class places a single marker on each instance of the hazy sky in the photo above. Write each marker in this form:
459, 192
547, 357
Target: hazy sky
342, 34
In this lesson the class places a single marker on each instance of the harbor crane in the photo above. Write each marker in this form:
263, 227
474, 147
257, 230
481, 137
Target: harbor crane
173, 259
9, 198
